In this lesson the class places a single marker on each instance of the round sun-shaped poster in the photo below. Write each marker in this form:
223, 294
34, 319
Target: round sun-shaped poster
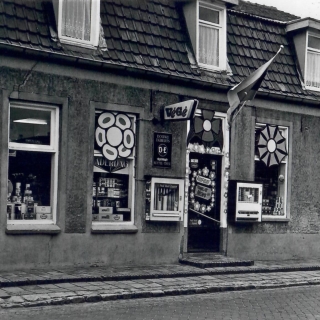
114, 135
272, 146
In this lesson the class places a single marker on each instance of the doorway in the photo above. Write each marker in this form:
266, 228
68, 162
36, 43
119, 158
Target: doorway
204, 203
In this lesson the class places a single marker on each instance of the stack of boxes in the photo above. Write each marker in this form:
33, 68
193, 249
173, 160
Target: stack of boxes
25, 208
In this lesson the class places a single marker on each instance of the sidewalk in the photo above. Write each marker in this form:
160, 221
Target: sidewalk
77, 285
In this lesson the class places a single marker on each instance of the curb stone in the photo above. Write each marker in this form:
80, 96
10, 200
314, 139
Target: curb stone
127, 276
90, 297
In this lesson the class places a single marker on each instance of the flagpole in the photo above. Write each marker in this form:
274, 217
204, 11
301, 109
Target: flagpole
243, 104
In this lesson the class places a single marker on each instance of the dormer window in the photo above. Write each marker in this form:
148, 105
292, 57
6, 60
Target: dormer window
206, 23
313, 62
79, 22
305, 34
211, 36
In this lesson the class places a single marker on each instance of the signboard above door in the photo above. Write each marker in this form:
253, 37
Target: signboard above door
184, 110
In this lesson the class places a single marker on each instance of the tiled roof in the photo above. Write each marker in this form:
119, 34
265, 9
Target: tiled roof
252, 41
151, 35
147, 35
264, 11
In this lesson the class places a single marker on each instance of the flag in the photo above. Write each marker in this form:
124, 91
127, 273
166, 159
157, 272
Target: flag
247, 89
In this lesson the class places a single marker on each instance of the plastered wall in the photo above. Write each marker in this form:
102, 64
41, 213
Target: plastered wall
299, 236
155, 242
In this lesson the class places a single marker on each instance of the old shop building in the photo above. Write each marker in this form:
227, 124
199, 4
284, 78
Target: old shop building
91, 171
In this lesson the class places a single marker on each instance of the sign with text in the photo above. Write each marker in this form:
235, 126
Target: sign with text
180, 111
162, 147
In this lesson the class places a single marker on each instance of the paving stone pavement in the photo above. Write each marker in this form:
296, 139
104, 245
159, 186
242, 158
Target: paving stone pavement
77, 285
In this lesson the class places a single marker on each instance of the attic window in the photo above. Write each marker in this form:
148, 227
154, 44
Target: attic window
211, 36
78, 23
313, 62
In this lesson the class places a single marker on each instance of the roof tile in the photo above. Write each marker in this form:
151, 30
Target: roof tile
12, 35
159, 53
2, 20
151, 52
8, 8
23, 37
108, 7
154, 62
118, 10
3, 33
33, 38
29, 13
124, 35
162, 64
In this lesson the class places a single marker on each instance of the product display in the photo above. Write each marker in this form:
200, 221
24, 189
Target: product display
166, 197
272, 197
29, 183
110, 197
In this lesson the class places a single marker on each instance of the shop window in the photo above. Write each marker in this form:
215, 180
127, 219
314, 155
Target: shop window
211, 36
113, 173
78, 22
274, 179
313, 62
32, 164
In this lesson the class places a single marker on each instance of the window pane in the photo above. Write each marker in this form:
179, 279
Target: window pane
273, 193
29, 185
114, 149
110, 197
166, 197
313, 70
314, 42
209, 15
76, 19
29, 126
208, 45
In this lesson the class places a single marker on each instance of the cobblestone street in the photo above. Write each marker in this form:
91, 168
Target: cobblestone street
285, 303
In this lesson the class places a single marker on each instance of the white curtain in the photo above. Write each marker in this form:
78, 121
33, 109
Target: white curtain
313, 70
76, 19
208, 45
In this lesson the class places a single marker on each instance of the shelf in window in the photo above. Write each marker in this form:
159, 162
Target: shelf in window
123, 197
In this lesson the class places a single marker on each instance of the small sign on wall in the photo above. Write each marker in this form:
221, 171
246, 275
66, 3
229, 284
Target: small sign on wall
162, 148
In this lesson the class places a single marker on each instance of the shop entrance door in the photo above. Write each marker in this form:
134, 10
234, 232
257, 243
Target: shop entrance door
204, 203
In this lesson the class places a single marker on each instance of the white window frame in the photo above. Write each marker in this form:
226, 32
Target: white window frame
132, 178
285, 133
95, 27
315, 51
53, 149
221, 27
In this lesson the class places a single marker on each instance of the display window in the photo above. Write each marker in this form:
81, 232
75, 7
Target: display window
113, 172
271, 169
32, 164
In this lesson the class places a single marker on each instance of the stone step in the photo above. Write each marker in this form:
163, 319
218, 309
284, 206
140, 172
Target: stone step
213, 260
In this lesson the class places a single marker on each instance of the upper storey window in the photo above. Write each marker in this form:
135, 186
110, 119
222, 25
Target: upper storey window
313, 62
211, 36
79, 22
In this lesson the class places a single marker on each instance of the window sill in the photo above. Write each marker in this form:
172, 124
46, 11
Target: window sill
103, 228
216, 69
32, 229
273, 219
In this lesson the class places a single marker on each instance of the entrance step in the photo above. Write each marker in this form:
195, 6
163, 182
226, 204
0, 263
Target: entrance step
213, 260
